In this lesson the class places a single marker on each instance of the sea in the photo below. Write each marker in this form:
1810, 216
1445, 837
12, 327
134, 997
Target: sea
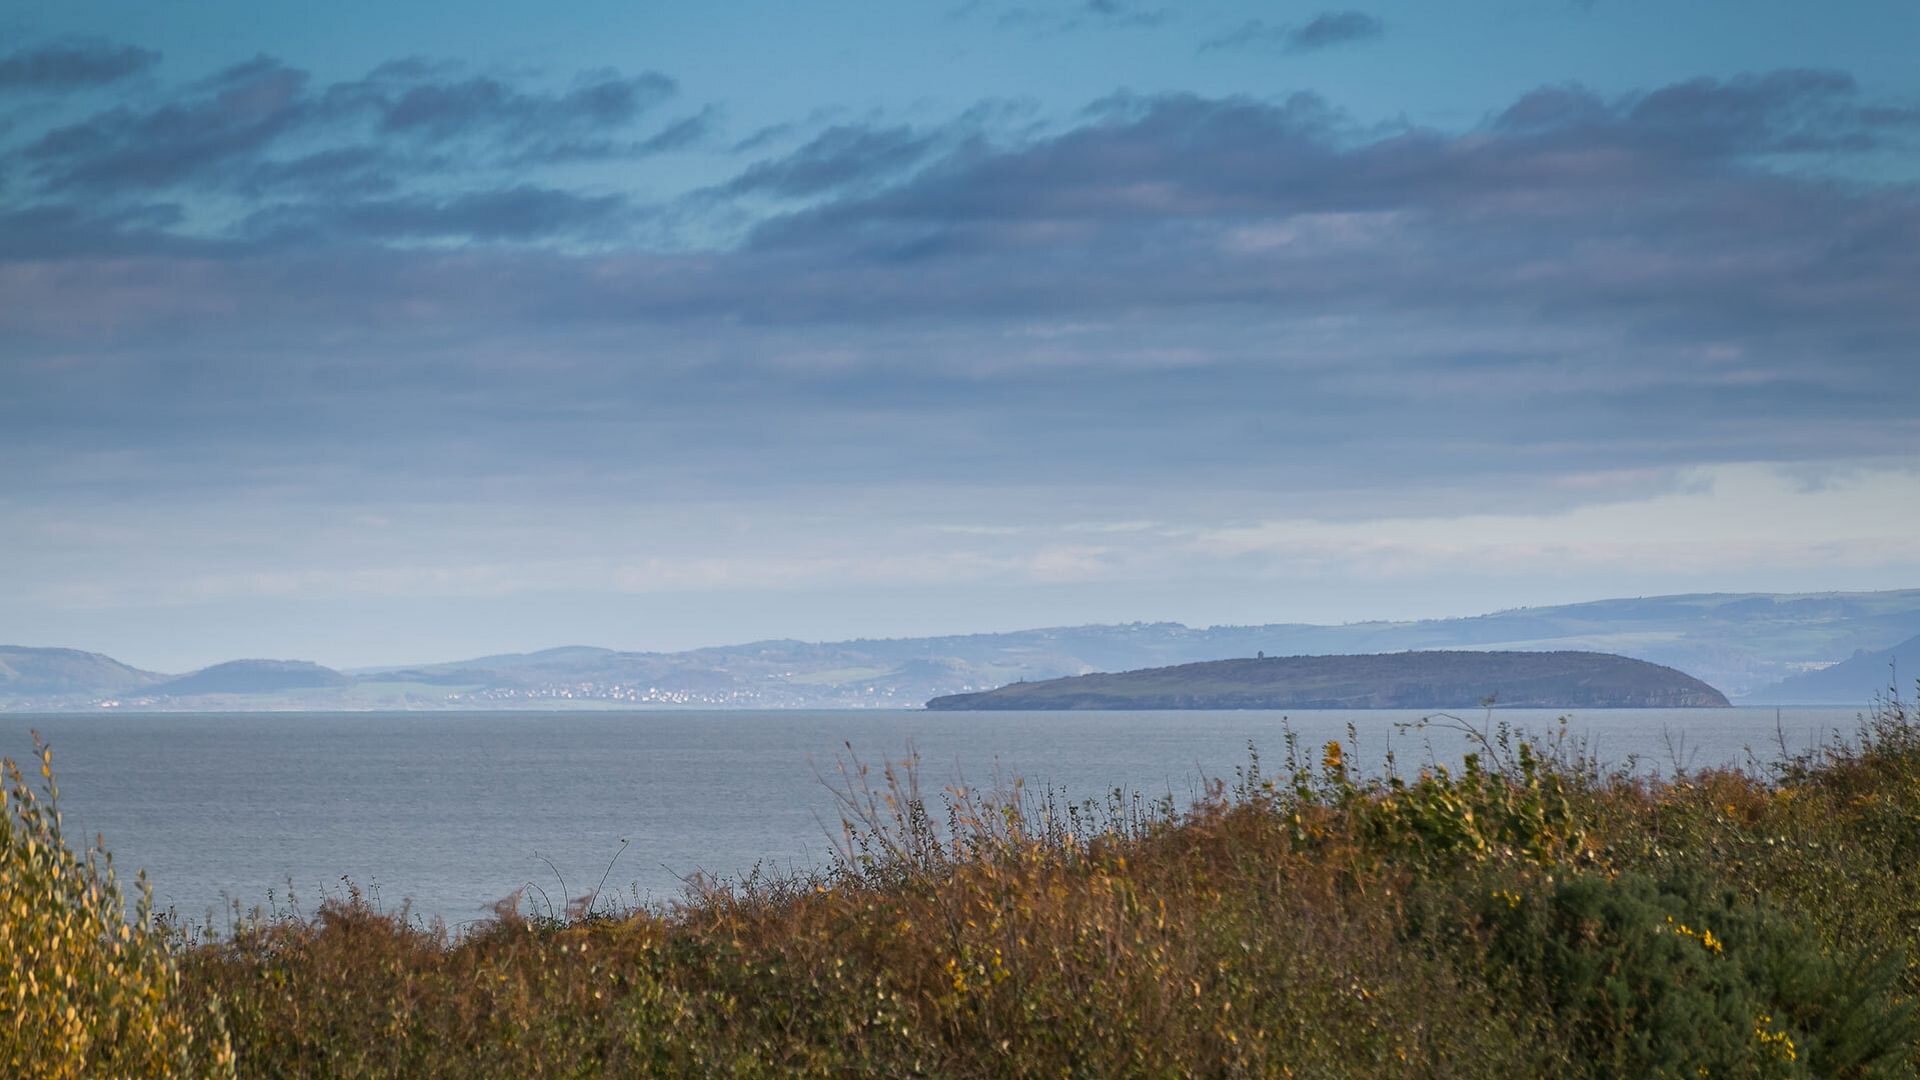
444, 815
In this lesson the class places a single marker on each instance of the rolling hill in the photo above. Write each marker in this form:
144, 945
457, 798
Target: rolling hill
1409, 680
1853, 681
1745, 644
251, 677
28, 672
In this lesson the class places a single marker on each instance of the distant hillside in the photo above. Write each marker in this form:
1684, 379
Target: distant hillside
1736, 641
29, 672
1854, 681
1412, 680
250, 677
1741, 643
565, 655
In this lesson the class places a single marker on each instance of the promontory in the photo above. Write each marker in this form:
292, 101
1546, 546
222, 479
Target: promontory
1405, 680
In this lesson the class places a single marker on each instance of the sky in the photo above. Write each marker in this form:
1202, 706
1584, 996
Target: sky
403, 332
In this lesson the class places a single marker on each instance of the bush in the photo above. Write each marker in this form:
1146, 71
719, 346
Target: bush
1668, 978
1523, 915
84, 992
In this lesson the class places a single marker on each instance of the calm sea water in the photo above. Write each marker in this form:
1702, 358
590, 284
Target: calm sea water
456, 811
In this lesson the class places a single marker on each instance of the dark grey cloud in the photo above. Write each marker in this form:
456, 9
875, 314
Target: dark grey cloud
72, 65
1059, 18
762, 138
231, 117
1322, 31
1335, 28
1253, 32
1648, 243
483, 106
262, 121
1557, 152
686, 133
344, 160
843, 156
683, 134
1781, 112
343, 171
1123, 13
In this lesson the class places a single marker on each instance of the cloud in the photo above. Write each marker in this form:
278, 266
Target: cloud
1253, 32
1714, 518
1794, 111
239, 305
262, 149
261, 123
762, 137
338, 171
1659, 206
230, 117
1658, 202
520, 213
843, 156
1325, 30
439, 111
60, 232
72, 65
683, 134
1119, 12
1048, 19
1223, 299
1334, 28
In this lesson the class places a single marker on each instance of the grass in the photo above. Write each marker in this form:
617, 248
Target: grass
1526, 914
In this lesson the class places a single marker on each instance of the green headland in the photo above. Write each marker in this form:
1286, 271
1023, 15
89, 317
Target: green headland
1408, 680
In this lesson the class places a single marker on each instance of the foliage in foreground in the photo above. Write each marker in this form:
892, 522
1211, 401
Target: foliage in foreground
83, 992
1526, 914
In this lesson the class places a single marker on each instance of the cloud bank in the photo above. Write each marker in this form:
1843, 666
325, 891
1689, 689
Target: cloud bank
428, 286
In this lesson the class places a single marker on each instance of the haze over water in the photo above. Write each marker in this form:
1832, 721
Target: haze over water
456, 811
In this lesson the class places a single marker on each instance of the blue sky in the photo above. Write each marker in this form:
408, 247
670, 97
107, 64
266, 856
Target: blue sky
380, 333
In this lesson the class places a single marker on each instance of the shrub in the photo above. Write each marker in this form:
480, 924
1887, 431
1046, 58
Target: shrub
1668, 978
1522, 915
84, 992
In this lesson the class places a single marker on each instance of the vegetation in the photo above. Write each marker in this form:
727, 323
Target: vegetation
85, 992
1526, 914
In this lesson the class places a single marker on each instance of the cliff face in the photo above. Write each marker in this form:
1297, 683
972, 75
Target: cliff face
1411, 680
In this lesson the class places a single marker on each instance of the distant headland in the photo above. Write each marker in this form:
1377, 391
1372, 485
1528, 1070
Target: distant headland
1758, 648
1405, 680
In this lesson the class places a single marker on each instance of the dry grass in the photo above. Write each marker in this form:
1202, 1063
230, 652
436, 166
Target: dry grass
1524, 915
